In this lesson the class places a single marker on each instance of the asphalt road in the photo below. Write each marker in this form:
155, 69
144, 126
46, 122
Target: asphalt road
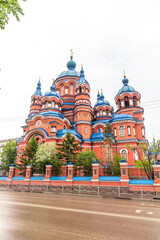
39, 216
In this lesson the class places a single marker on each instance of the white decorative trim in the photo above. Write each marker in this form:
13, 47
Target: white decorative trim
123, 149
99, 124
124, 163
124, 180
94, 180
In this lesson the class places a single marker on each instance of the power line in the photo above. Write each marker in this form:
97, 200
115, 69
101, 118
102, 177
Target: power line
151, 101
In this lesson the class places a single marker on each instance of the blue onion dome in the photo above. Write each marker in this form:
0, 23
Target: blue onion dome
126, 87
71, 65
101, 100
52, 92
38, 90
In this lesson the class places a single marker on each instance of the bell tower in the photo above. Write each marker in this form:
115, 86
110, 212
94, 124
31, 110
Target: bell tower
83, 109
36, 100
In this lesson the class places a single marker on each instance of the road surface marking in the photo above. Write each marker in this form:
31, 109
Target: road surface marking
82, 211
138, 211
75, 234
149, 212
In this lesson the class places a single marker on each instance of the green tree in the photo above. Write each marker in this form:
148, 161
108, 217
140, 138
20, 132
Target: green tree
29, 154
68, 149
113, 168
8, 155
108, 134
47, 154
85, 160
8, 7
146, 156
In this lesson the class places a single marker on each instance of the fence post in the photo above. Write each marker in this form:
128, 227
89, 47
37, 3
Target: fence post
141, 192
47, 187
62, 188
119, 191
79, 189
98, 189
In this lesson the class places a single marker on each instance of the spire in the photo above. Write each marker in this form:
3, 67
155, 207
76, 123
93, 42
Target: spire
38, 90
98, 95
82, 79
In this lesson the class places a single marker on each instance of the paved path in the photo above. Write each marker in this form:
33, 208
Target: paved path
47, 216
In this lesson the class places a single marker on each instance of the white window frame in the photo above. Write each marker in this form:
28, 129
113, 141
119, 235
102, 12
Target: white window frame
53, 129
122, 131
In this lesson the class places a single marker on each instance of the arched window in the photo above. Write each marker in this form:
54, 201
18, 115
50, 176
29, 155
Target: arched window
49, 105
100, 112
64, 126
119, 103
126, 101
134, 131
71, 89
80, 89
53, 104
134, 101
135, 155
143, 132
62, 90
124, 154
56, 105
108, 153
129, 130
107, 112
53, 129
115, 132
121, 131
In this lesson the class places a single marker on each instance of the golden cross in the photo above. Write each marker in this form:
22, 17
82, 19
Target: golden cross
71, 53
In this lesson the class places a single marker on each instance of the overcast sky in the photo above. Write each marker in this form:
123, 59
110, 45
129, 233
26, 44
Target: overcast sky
107, 37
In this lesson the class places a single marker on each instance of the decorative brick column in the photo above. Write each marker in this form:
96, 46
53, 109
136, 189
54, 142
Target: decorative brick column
48, 172
156, 169
124, 173
11, 172
80, 172
28, 172
64, 170
70, 172
95, 171
4, 173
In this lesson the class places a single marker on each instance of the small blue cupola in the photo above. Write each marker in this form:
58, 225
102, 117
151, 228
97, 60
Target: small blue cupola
98, 96
126, 87
101, 96
101, 100
52, 92
38, 90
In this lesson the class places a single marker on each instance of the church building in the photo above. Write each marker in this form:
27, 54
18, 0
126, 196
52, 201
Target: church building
66, 107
